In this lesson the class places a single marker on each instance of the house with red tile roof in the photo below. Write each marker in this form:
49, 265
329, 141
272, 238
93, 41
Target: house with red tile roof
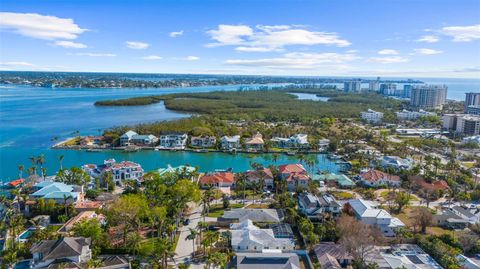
376, 178
16, 183
420, 182
296, 176
218, 180
254, 176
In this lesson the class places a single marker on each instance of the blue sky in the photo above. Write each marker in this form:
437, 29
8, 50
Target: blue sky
406, 38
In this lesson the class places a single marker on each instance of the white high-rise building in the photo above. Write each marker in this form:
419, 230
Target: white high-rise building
428, 96
352, 86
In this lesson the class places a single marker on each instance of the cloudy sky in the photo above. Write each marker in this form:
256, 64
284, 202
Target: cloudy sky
404, 38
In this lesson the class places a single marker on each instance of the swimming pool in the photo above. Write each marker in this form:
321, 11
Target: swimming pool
23, 237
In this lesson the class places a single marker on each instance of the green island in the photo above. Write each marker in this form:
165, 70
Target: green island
213, 111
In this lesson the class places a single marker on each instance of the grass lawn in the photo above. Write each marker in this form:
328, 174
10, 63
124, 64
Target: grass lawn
217, 210
257, 206
407, 217
342, 195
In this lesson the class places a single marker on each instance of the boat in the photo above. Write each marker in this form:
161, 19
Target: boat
334, 157
94, 150
291, 153
131, 148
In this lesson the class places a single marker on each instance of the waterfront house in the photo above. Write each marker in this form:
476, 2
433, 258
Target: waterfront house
369, 213
89, 141
184, 170
255, 143
315, 207
82, 216
247, 237
125, 138
132, 138
230, 142
255, 215
254, 176
173, 141
266, 260
122, 171
376, 178
295, 141
218, 180
68, 249
323, 144
295, 175
332, 256
203, 141
58, 192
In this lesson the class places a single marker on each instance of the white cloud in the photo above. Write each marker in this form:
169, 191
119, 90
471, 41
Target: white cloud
462, 33
270, 37
229, 34
388, 60
428, 39
93, 54
424, 51
16, 64
69, 44
388, 52
192, 58
152, 57
296, 60
176, 34
137, 45
39, 26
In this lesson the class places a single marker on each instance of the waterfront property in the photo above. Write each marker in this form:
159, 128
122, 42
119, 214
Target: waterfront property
173, 141
230, 142
203, 141
121, 171
369, 213
57, 191
218, 180
323, 144
297, 141
184, 170
295, 175
262, 174
255, 143
132, 138
332, 179
247, 237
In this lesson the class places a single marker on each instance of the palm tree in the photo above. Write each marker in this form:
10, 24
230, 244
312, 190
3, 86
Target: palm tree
20, 170
60, 160
33, 159
163, 251
193, 234
41, 161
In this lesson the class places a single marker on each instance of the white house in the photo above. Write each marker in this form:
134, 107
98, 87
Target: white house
372, 116
173, 141
121, 171
369, 213
323, 144
247, 237
295, 141
230, 142
132, 137
396, 162
413, 115
203, 141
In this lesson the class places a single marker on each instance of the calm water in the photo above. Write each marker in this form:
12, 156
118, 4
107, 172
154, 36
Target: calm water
30, 117
309, 96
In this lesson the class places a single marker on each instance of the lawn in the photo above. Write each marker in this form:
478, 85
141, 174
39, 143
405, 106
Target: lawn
342, 195
257, 206
217, 210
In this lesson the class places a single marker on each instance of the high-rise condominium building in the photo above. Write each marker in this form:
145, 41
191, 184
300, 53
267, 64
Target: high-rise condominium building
352, 86
472, 99
428, 96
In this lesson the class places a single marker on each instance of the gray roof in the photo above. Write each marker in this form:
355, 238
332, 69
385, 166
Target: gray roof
267, 261
255, 215
332, 249
114, 262
61, 248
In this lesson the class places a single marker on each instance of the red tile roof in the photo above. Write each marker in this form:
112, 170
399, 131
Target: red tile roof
254, 174
16, 182
437, 185
297, 176
224, 177
291, 168
373, 175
